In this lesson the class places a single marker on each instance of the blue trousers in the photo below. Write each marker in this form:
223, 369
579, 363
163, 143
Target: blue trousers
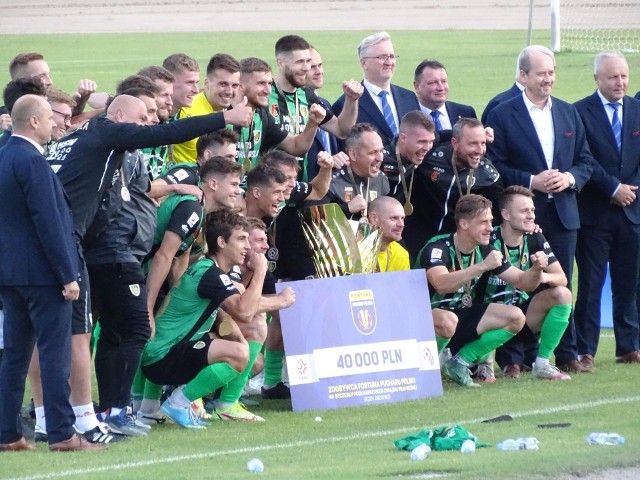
36, 314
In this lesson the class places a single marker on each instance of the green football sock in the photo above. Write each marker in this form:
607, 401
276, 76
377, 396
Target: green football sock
137, 387
273, 366
442, 343
231, 391
555, 323
484, 345
209, 380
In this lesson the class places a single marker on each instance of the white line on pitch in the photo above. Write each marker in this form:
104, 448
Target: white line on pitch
306, 443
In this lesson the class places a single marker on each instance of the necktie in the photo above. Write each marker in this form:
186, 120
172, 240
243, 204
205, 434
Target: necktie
388, 114
435, 114
616, 126
323, 136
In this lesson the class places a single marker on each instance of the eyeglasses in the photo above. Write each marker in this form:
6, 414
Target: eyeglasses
385, 56
65, 117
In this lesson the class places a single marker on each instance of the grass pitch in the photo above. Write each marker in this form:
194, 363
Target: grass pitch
357, 443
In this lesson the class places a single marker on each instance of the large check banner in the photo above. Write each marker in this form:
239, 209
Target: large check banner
360, 340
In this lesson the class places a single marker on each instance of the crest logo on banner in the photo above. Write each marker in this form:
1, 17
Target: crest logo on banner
363, 311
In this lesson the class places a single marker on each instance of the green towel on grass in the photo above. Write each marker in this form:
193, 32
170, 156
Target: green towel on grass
443, 438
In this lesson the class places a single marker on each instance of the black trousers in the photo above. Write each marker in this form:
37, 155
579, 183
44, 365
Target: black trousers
119, 298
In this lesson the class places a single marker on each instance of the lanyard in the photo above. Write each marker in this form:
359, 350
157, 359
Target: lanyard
457, 175
408, 208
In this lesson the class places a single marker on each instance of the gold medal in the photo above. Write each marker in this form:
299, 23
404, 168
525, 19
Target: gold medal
408, 208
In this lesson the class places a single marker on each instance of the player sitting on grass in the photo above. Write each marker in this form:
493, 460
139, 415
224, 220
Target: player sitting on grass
456, 264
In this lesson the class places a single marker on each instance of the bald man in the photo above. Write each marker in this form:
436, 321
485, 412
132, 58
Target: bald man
85, 162
388, 214
38, 272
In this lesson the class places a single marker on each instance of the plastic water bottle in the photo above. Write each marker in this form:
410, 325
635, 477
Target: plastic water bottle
468, 446
598, 438
527, 443
254, 465
421, 452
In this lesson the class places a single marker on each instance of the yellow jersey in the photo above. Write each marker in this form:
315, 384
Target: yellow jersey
395, 258
186, 152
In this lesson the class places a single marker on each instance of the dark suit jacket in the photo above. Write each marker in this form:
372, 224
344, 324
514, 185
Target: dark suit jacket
37, 246
316, 146
637, 97
612, 166
517, 153
405, 100
514, 91
456, 111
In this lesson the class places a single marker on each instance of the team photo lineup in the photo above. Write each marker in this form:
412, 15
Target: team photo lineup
145, 230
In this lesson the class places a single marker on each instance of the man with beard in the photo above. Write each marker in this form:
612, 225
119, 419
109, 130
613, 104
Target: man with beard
446, 174
221, 85
290, 99
263, 134
163, 79
361, 181
387, 213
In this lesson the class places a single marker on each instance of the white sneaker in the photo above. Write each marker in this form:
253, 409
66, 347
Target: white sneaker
254, 385
548, 372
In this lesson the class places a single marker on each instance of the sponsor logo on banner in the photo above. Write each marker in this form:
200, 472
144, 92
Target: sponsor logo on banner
363, 311
302, 367
135, 289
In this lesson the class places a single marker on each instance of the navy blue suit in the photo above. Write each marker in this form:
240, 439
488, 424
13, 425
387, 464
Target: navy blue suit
405, 100
517, 154
514, 91
38, 255
611, 233
455, 111
316, 146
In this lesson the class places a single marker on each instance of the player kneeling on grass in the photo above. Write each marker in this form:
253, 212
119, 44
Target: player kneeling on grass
456, 264
547, 310
228, 406
187, 347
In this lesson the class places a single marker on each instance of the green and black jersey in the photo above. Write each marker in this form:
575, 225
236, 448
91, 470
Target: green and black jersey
190, 309
182, 215
286, 106
440, 251
496, 290
261, 136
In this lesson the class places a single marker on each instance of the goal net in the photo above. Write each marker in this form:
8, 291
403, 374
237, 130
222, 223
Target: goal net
594, 25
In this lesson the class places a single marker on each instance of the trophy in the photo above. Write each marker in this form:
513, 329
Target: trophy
339, 246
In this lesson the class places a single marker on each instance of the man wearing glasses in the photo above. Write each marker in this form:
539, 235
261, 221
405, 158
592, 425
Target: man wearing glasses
382, 104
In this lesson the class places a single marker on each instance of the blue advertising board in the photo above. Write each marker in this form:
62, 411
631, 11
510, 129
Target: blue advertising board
360, 340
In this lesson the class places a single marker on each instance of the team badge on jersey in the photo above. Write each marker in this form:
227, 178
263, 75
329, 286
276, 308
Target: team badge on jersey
257, 136
135, 289
224, 278
363, 311
436, 254
434, 176
275, 111
180, 174
304, 111
199, 345
348, 195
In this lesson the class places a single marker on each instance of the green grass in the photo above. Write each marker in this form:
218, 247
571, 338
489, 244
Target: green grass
357, 443
480, 63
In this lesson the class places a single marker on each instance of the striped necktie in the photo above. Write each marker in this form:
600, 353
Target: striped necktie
616, 126
386, 111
